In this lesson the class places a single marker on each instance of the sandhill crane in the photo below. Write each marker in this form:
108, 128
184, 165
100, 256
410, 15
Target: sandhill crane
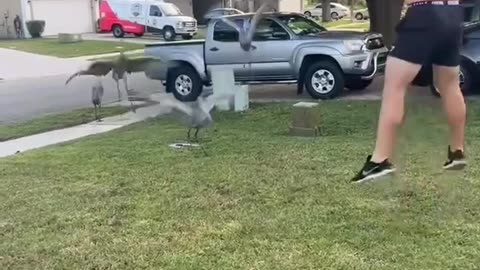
97, 96
119, 67
245, 34
194, 115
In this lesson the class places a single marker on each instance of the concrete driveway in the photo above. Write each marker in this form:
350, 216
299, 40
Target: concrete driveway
127, 38
21, 65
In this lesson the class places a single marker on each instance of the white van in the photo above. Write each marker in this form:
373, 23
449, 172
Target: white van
157, 16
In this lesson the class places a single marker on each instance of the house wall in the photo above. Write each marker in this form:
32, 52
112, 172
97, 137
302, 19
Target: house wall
10, 8
291, 5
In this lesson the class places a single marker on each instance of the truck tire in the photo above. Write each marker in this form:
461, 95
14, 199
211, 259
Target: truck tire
324, 80
185, 83
169, 33
118, 31
357, 84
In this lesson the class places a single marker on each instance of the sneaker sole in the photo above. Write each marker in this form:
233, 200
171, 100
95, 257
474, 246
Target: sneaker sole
375, 176
456, 165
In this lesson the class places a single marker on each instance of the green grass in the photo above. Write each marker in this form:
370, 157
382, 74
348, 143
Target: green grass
260, 200
52, 47
57, 121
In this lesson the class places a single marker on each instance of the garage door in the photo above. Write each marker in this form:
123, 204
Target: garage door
70, 16
291, 5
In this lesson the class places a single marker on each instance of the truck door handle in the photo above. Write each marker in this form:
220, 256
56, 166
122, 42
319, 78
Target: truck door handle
214, 49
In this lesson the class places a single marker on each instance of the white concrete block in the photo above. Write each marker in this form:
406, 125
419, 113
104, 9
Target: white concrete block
223, 82
241, 100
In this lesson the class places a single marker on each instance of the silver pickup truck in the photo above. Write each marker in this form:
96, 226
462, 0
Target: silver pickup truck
287, 48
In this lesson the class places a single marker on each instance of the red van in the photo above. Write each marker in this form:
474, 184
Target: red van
109, 22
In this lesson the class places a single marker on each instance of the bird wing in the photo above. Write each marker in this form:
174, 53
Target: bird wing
255, 20
177, 106
97, 68
232, 24
141, 64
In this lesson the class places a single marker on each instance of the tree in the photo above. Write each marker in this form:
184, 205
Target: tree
384, 16
326, 17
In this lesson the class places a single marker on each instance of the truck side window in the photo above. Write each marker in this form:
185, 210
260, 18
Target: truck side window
269, 30
225, 33
155, 11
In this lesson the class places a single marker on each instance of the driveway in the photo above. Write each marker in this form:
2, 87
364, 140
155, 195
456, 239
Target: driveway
127, 38
20, 65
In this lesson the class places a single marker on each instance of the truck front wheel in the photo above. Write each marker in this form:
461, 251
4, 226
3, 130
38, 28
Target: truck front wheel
324, 80
357, 84
185, 83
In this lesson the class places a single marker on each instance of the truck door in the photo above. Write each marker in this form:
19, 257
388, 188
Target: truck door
272, 50
222, 49
154, 17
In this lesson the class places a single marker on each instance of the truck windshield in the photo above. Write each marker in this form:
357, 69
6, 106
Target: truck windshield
301, 26
171, 10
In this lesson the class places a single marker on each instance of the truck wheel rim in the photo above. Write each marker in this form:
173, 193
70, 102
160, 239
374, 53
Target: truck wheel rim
323, 81
183, 85
168, 34
117, 31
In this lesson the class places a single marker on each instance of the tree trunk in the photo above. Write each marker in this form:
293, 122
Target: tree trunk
326, 17
384, 16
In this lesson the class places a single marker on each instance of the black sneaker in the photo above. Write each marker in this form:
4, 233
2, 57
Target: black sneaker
372, 170
456, 160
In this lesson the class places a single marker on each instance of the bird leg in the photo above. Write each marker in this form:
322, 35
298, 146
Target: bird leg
128, 96
118, 91
196, 134
95, 110
188, 134
99, 112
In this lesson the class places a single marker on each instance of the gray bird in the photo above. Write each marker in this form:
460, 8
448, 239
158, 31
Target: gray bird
194, 115
97, 96
245, 34
119, 67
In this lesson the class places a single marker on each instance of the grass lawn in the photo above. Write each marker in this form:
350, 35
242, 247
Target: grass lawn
52, 122
52, 47
260, 200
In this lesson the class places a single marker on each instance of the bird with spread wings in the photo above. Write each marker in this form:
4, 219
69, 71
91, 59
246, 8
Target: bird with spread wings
119, 67
245, 34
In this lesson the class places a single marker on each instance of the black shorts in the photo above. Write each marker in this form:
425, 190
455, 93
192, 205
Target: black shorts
430, 34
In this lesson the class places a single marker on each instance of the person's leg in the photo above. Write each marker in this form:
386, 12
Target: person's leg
447, 79
398, 76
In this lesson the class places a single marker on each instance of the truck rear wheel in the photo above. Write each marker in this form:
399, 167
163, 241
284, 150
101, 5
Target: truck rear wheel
118, 31
324, 80
185, 83
169, 33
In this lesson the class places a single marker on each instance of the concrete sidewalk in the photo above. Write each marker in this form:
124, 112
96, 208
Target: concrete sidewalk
11, 147
20, 65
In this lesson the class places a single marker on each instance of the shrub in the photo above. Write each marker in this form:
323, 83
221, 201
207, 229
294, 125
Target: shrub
35, 28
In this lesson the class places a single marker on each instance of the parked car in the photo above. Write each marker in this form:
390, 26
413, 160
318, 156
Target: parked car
337, 11
133, 17
470, 61
361, 14
288, 48
218, 12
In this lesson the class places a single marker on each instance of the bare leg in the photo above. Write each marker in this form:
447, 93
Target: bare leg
118, 90
95, 111
126, 89
453, 103
398, 76
196, 134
